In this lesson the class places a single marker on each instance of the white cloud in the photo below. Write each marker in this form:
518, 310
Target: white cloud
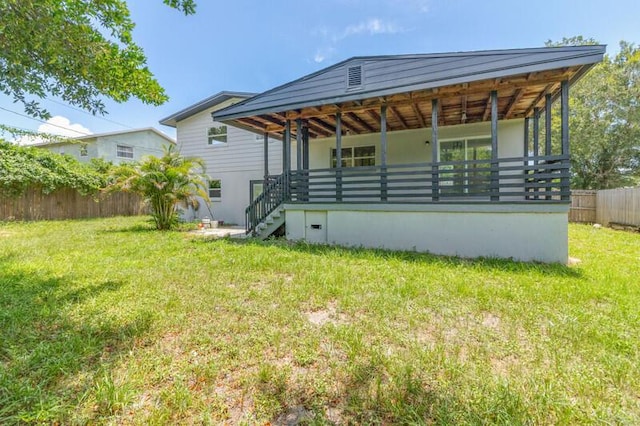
322, 54
56, 125
61, 126
370, 27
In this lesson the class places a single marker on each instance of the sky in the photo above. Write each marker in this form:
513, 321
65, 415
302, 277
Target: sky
252, 46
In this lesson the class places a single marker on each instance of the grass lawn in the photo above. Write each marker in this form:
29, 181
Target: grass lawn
107, 321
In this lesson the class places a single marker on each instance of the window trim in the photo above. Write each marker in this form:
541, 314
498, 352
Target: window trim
119, 151
465, 139
216, 143
353, 157
84, 150
219, 189
449, 181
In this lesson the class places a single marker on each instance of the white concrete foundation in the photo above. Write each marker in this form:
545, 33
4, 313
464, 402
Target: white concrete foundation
519, 231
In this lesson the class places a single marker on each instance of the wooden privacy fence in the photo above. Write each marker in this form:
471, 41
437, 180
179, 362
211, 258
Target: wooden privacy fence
583, 206
69, 204
618, 206
608, 206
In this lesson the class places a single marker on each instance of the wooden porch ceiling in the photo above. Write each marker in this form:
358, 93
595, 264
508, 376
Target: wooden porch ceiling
459, 104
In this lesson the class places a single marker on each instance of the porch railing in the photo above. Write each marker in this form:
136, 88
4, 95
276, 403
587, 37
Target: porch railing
274, 193
517, 179
530, 179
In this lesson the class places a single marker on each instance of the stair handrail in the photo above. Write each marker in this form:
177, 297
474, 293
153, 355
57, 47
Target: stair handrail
273, 194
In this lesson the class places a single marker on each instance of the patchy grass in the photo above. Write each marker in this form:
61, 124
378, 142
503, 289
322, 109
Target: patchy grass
103, 321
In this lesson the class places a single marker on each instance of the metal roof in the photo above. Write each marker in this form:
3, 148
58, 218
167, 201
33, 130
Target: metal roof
389, 75
203, 105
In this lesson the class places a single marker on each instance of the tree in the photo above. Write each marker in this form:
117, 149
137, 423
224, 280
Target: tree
78, 50
165, 183
605, 121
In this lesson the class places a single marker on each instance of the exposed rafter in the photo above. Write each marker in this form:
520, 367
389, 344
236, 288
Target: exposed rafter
548, 89
349, 126
360, 122
418, 113
513, 102
487, 109
399, 117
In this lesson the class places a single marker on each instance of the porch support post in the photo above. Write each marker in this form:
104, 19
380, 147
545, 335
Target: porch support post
305, 160
525, 155
494, 147
435, 178
536, 134
338, 156
526, 139
298, 144
547, 124
305, 147
564, 115
383, 152
266, 156
287, 158
536, 147
547, 138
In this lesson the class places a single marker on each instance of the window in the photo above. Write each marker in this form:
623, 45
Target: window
83, 150
356, 156
215, 188
464, 150
123, 151
217, 135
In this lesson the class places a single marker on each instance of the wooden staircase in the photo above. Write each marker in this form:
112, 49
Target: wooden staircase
266, 214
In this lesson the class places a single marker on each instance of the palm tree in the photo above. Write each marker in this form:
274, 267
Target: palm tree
165, 182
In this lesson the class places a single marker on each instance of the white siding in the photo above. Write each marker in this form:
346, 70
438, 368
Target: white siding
235, 164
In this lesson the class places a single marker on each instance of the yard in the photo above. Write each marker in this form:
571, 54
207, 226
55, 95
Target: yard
107, 321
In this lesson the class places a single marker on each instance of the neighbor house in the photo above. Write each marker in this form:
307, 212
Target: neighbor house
117, 147
233, 156
438, 152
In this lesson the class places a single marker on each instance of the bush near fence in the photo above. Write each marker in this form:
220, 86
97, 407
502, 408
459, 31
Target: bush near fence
609, 207
69, 204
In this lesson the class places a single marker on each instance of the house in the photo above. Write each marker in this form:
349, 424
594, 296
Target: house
117, 147
234, 157
439, 152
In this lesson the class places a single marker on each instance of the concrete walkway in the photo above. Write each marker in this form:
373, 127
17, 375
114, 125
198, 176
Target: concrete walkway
228, 231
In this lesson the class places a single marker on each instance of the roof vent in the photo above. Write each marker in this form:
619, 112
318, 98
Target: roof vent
354, 77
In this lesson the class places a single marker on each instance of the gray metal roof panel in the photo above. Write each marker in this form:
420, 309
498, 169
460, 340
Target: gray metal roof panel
203, 105
386, 75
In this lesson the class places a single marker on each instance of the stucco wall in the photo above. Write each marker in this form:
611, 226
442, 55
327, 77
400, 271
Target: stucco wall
408, 146
144, 143
520, 232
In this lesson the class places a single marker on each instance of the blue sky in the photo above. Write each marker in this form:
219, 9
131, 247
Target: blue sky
255, 45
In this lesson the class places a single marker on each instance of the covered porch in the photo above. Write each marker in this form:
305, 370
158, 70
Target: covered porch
468, 134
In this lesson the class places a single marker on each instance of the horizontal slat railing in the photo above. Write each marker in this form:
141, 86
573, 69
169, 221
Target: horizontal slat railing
273, 194
531, 179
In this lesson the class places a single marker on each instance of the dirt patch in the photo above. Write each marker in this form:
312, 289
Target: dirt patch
294, 416
326, 316
489, 320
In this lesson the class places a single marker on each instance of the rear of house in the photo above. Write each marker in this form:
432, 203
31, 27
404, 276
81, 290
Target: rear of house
234, 157
439, 153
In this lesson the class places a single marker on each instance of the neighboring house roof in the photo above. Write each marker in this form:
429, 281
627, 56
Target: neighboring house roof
115, 133
122, 132
203, 105
388, 75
